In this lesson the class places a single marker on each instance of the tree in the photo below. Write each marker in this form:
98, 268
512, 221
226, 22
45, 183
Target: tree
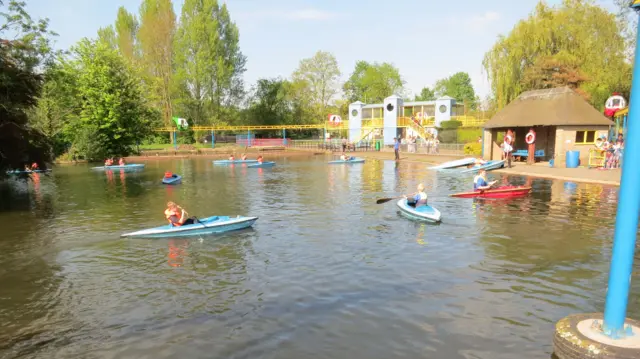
20, 85
113, 113
127, 30
209, 62
578, 27
459, 87
372, 83
426, 94
321, 74
628, 22
108, 36
551, 72
156, 33
270, 103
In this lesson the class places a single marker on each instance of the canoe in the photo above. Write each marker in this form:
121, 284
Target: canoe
355, 160
490, 165
422, 213
18, 172
229, 162
453, 164
133, 166
209, 225
175, 179
500, 192
261, 165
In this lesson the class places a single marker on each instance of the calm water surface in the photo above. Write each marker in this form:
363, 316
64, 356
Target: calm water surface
324, 273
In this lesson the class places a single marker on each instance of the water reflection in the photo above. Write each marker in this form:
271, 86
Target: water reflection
324, 273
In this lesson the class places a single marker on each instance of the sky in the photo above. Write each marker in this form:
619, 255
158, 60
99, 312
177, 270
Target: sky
426, 40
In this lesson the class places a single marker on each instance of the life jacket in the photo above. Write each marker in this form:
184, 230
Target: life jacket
168, 213
422, 199
34, 166
168, 174
232, 158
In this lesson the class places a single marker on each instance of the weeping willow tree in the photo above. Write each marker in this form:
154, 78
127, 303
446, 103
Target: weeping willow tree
576, 34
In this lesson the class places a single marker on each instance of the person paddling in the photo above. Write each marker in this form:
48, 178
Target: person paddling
121, 162
232, 158
480, 181
176, 215
108, 162
244, 157
260, 160
417, 199
344, 157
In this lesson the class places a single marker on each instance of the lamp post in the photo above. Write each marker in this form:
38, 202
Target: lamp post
613, 335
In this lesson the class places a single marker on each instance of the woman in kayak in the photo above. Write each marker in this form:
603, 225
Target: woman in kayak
232, 158
176, 215
480, 181
121, 162
417, 199
344, 157
108, 162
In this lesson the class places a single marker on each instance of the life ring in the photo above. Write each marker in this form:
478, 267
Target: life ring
530, 138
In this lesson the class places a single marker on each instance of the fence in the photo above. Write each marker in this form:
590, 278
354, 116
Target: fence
452, 149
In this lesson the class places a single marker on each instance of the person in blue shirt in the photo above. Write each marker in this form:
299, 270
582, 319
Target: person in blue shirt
396, 148
417, 199
480, 181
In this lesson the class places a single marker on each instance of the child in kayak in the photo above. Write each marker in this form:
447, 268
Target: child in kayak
108, 162
232, 158
176, 215
244, 157
344, 157
260, 159
480, 181
417, 199
121, 162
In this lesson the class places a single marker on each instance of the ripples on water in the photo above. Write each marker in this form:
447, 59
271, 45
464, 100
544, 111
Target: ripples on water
325, 272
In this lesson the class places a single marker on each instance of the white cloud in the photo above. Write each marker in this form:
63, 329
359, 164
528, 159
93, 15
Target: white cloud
309, 14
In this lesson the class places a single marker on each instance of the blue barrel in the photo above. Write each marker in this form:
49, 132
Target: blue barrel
551, 161
573, 159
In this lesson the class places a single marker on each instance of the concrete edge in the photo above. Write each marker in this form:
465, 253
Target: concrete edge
562, 178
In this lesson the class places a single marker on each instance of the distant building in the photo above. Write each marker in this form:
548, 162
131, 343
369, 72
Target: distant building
562, 119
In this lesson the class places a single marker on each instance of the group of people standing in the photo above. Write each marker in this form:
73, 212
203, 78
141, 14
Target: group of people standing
612, 151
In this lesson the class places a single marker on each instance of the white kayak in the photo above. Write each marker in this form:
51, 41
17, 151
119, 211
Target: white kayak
422, 213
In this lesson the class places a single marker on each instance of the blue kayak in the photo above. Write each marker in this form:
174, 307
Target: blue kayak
422, 213
261, 165
229, 162
174, 179
215, 224
490, 165
133, 166
353, 160
18, 172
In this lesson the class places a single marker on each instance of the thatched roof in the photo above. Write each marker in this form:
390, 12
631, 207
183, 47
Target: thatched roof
554, 107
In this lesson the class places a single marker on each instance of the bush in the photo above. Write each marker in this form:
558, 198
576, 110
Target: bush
448, 136
473, 148
469, 134
450, 125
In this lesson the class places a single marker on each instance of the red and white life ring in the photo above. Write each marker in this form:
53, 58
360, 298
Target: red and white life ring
530, 138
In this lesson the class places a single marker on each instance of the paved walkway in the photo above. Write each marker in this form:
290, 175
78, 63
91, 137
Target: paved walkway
606, 177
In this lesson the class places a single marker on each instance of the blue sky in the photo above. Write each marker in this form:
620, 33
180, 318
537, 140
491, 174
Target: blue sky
426, 39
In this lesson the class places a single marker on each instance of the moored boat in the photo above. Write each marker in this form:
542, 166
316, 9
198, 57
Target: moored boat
229, 162
454, 164
353, 160
18, 172
490, 165
261, 165
500, 192
422, 213
174, 179
209, 225
133, 166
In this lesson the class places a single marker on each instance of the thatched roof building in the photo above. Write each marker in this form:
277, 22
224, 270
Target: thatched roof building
554, 107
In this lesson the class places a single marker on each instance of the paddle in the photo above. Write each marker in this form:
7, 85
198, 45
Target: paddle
385, 200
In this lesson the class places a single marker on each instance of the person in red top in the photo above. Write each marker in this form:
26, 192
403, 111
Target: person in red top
232, 158
260, 159
176, 215
121, 162
34, 166
108, 162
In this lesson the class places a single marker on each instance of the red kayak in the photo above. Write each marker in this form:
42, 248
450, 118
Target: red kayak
500, 192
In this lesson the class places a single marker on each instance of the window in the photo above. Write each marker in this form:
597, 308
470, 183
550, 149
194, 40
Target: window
442, 108
390, 107
354, 112
585, 137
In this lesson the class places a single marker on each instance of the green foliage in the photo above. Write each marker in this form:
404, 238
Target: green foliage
107, 35
466, 134
473, 148
577, 33
270, 103
113, 113
449, 125
459, 87
318, 77
372, 83
209, 62
127, 29
426, 94
20, 85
